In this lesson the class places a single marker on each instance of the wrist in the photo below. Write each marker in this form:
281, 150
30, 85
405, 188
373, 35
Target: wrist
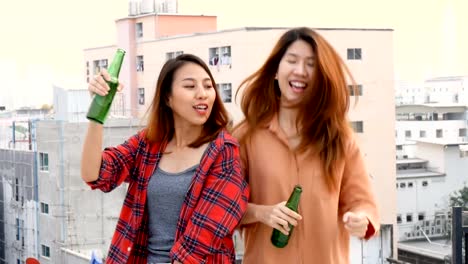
258, 213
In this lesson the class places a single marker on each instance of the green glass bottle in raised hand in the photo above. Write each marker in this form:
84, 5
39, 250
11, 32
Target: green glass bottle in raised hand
279, 239
100, 105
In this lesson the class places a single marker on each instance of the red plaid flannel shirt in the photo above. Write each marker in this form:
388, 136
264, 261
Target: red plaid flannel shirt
213, 206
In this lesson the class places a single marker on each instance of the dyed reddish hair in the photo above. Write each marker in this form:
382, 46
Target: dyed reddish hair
161, 121
322, 118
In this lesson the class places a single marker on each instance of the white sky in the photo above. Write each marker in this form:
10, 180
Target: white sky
43, 42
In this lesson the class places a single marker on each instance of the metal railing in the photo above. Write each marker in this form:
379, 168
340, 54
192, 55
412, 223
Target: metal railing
459, 233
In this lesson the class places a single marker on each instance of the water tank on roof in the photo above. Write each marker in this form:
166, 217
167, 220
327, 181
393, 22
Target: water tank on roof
134, 7
166, 6
147, 6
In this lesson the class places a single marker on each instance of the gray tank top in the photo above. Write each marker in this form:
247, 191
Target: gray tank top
166, 193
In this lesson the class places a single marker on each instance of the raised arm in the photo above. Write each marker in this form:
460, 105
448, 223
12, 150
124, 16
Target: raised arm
91, 156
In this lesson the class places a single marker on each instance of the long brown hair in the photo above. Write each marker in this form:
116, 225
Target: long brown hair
161, 121
322, 118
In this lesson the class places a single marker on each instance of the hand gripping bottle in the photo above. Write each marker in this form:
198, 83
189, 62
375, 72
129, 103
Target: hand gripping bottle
100, 105
279, 239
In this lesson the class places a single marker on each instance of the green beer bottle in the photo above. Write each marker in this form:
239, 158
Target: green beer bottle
279, 239
100, 105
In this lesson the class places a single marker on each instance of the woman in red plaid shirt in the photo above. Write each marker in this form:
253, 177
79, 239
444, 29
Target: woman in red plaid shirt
186, 193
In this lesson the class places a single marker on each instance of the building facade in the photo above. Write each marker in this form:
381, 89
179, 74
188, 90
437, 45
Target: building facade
18, 201
77, 219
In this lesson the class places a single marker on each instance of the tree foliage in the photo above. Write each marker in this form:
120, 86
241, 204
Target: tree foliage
460, 198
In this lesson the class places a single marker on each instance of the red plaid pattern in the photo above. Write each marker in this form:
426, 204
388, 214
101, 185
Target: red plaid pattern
213, 207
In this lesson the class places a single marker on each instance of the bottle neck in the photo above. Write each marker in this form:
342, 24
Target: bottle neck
114, 68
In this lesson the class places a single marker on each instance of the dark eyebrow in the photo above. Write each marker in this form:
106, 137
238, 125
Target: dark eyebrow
193, 79
295, 55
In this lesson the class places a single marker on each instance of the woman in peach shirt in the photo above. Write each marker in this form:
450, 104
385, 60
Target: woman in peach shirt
296, 131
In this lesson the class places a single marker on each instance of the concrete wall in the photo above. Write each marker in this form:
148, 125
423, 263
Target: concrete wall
79, 219
17, 202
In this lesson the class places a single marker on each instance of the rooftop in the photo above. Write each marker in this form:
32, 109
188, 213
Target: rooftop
442, 142
431, 108
410, 161
408, 174
439, 248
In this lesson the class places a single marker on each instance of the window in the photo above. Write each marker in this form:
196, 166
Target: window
399, 147
87, 71
141, 96
422, 133
44, 208
140, 66
402, 185
98, 64
410, 185
225, 55
220, 56
409, 218
425, 183
358, 126
354, 54
463, 153
355, 90
462, 132
225, 90
173, 55
407, 133
45, 251
139, 30
421, 217
43, 161
16, 189
398, 219
439, 133
18, 227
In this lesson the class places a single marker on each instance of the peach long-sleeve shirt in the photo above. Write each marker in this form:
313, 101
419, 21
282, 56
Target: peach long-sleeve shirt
273, 170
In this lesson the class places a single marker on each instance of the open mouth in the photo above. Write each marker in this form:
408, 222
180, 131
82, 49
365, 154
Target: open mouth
201, 108
297, 86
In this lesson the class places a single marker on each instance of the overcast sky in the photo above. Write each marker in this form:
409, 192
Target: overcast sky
43, 41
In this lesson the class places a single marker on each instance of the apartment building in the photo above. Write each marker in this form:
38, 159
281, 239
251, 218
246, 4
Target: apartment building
431, 144
429, 122
15, 126
424, 187
77, 220
446, 90
151, 39
435, 111
18, 206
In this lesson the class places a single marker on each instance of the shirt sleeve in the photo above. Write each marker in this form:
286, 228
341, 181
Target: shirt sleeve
222, 204
117, 164
238, 133
357, 191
